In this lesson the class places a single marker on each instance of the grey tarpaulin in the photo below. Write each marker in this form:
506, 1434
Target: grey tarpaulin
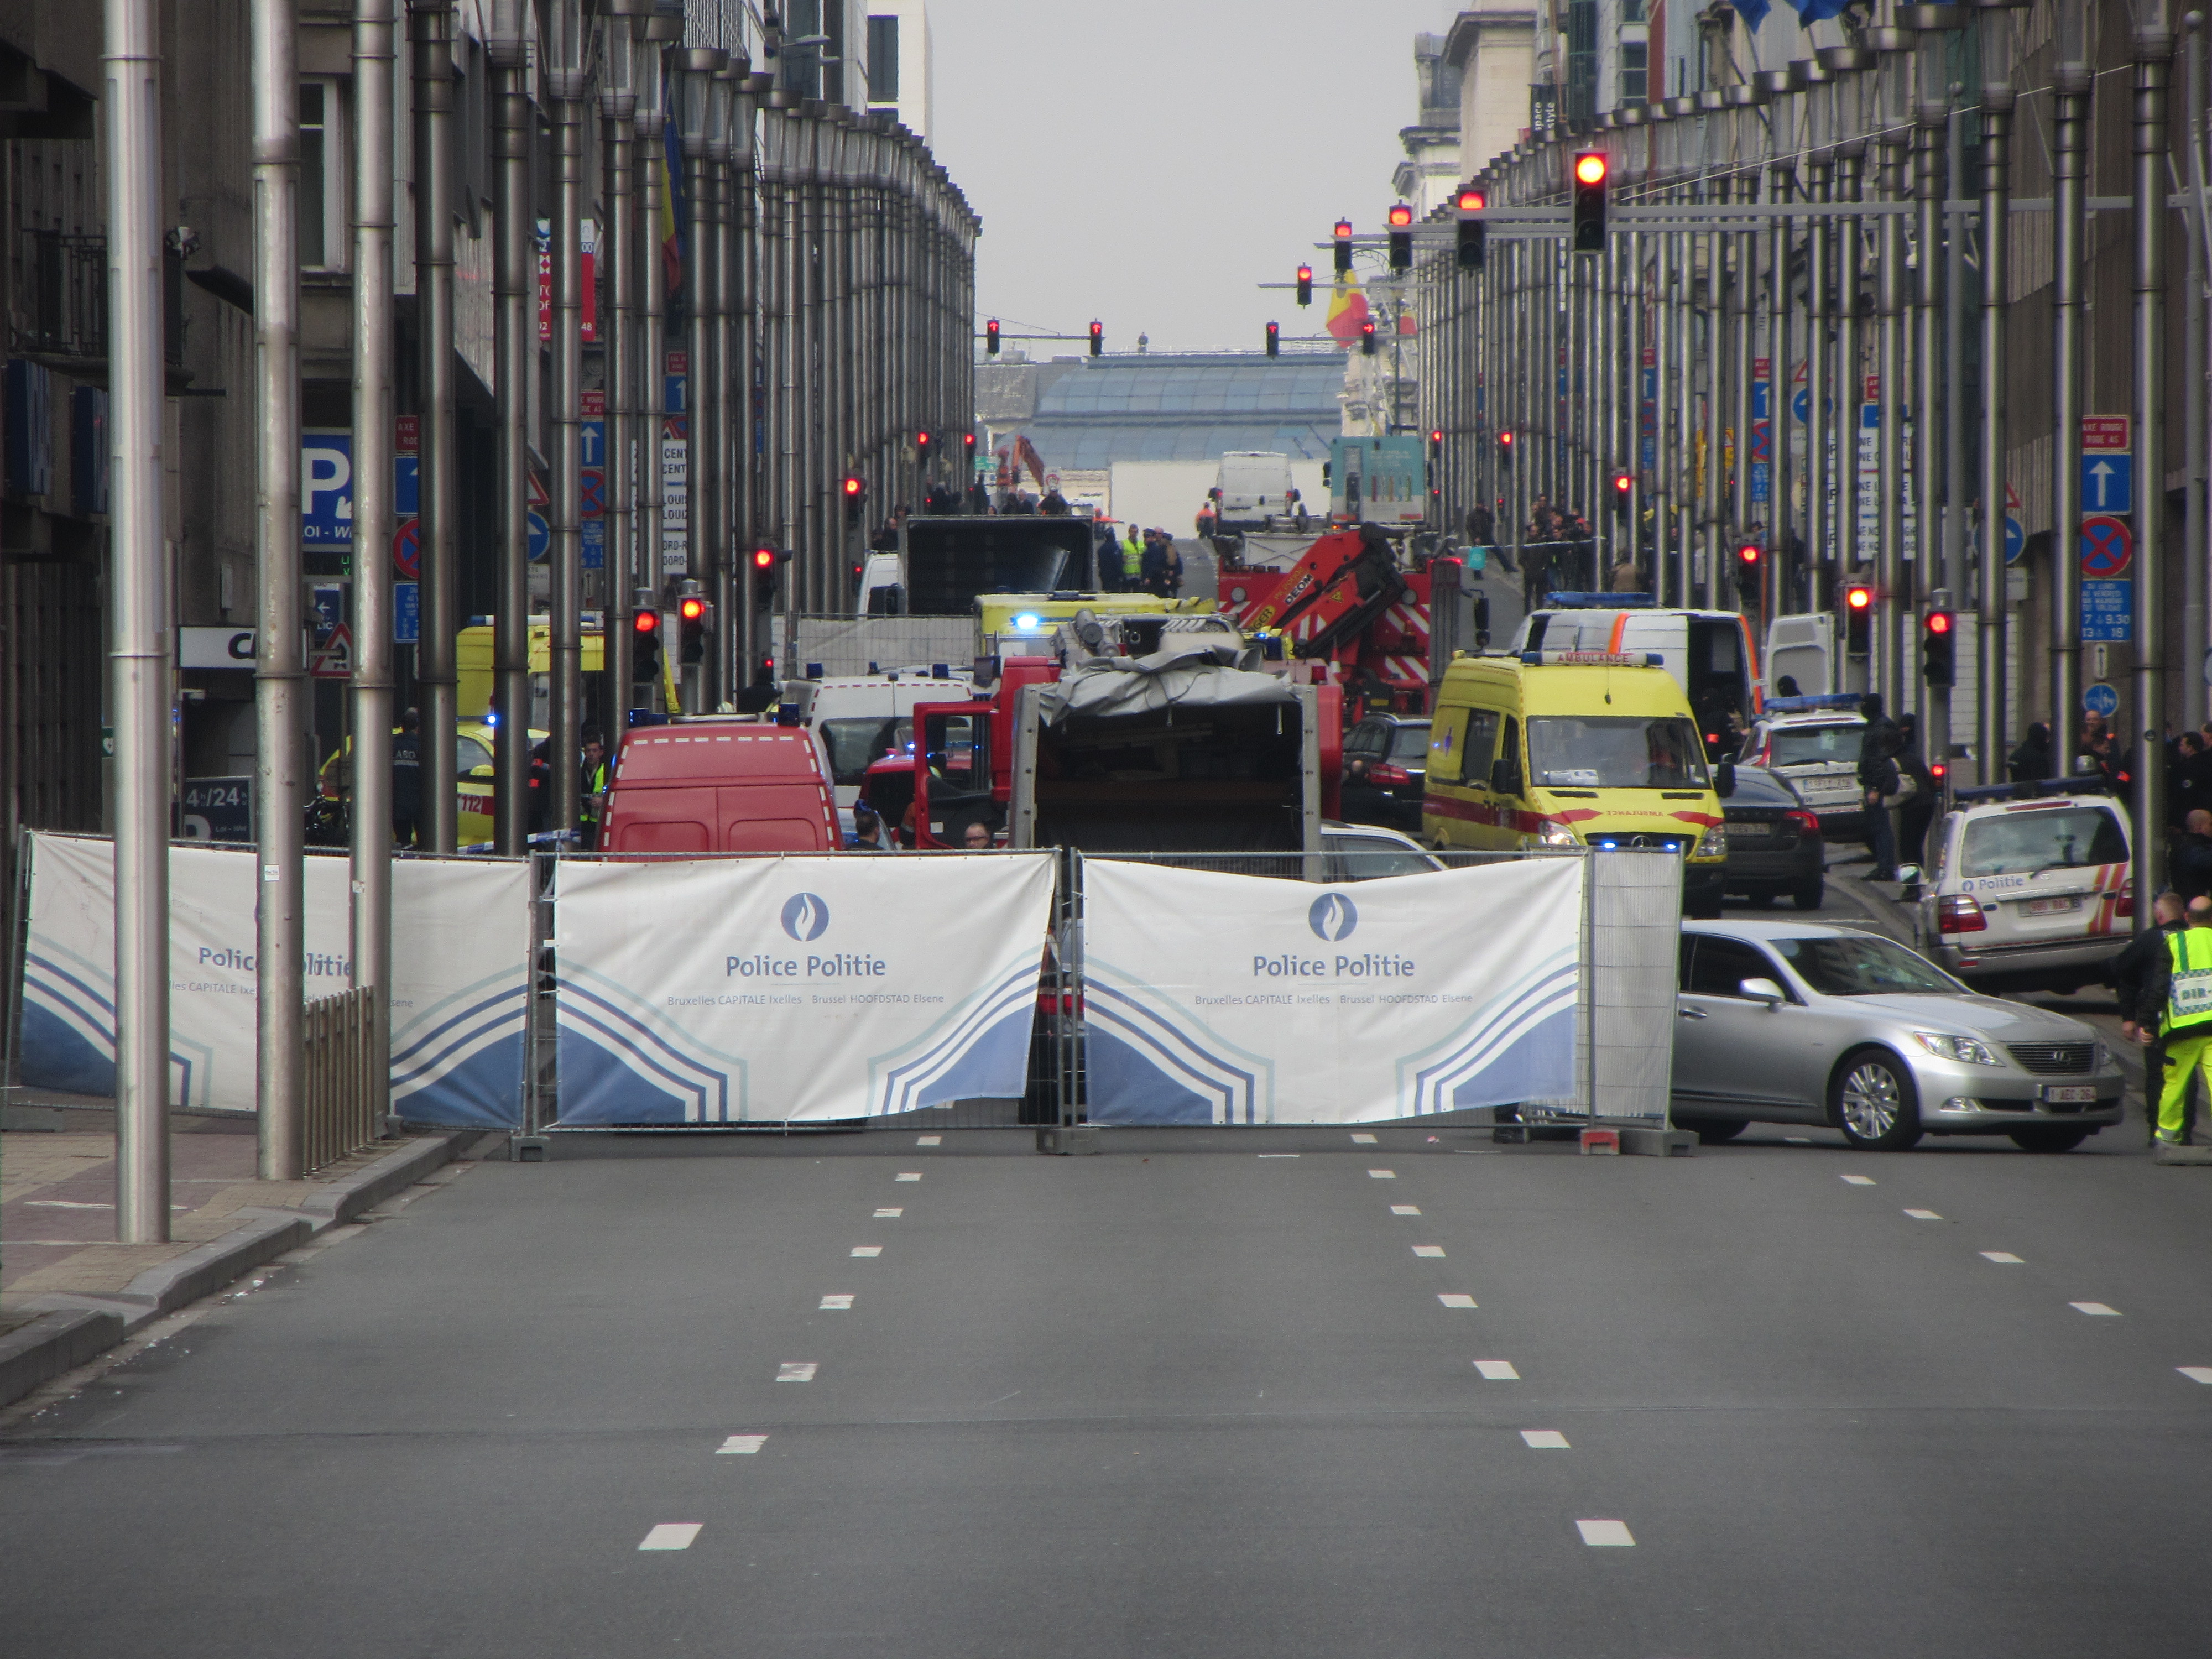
1187, 677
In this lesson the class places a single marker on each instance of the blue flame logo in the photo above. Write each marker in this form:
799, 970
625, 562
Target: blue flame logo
1332, 917
804, 916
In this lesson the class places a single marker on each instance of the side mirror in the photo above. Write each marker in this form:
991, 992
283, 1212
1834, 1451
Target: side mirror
1724, 779
1761, 990
1501, 777
1909, 876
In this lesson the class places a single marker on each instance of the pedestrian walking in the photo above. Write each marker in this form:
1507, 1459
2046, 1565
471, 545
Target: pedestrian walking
2126, 977
1481, 527
407, 781
1878, 787
1917, 810
2176, 1004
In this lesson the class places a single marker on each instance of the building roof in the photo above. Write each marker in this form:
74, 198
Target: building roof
1160, 407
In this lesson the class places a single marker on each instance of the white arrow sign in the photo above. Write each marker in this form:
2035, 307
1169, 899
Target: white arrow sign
2102, 472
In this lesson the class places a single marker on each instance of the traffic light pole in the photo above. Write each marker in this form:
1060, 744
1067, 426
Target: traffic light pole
567, 87
1997, 279
1892, 585
1931, 118
2154, 46
651, 375
279, 673
514, 343
2070, 86
618, 246
138, 647
437, 489
373, 514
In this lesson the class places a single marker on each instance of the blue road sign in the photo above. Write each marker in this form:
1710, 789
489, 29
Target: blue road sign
326, 602
1759, 399
1761, 487
2108, 546
406, 491
1801, 405
2101, 699
541, 537
2108, 482
2016, 538
2108, 609
406, 613
326, 489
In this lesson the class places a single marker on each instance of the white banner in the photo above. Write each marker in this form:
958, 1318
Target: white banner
1227, 998
804, 988
460, 947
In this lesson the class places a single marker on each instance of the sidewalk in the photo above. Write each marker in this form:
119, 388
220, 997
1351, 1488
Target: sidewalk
67, 1290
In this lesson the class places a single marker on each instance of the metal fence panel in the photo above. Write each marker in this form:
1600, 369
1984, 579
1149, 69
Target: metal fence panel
1634, 929
345, 1098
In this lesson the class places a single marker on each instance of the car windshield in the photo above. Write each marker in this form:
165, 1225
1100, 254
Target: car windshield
1410, 742
1616, 751
2020, 844
1370, 857
1817, 745
854, 742
1858, 965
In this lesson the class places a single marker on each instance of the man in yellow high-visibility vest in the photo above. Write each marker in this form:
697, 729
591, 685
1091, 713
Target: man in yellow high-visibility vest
2176, 1004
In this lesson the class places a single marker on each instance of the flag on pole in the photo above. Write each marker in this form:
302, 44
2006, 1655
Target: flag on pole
1347, 310
672, 216
1753, 13
1813, 11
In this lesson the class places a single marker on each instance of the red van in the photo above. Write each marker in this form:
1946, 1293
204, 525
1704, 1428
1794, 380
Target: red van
720, 787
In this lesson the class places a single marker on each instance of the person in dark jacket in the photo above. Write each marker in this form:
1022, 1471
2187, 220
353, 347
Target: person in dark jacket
2189, 862
2031, 762
2126, 976
407, 781
1153, 569
541, 787
1878, 783
1917, 810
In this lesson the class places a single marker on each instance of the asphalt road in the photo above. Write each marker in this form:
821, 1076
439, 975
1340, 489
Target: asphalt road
1181, 1399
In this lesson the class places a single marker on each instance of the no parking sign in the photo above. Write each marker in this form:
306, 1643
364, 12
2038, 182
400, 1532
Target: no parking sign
2108, 546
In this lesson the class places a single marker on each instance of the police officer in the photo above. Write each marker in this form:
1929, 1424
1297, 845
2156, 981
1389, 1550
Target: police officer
2176, 1006
407, 780
592, 811
1132, 559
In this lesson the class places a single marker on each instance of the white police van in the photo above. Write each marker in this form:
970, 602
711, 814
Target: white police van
2027, 887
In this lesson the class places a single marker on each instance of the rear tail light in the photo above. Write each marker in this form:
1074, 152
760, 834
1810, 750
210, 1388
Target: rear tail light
1808, 826
1383, 772
2124, 907
1959, 912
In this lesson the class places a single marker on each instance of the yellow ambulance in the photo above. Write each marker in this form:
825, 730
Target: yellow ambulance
1574, 749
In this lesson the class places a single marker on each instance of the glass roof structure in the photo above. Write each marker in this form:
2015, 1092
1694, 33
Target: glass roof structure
1159, 407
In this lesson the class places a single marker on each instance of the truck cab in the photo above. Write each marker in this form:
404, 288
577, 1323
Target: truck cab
720, 786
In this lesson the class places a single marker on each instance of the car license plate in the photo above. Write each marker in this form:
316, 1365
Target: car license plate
2071, 1094
2052, 907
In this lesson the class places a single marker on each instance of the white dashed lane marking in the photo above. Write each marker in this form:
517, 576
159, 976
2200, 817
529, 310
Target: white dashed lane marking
929, 1140
1497, 1371
1607, 1535
742, 1442
1798, 1140
836, 1303
2097, 1308
1363, 1140
1857, 1180
1381, 1175
671, 1535
913, 1175
795, 1371
1428, 1249
1545, 1439
867, 1250
2196, 1373
888, 1215
1404, 1209
1452, 1300
1924, 1215
2005, 1256
1278, 1154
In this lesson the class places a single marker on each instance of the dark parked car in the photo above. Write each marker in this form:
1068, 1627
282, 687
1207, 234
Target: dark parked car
1774, 843
1386, 764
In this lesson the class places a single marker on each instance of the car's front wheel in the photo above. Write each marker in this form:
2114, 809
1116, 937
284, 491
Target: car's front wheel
1873, 1102
2052, 1139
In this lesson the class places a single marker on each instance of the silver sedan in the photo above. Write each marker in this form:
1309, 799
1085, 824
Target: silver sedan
1782, 1022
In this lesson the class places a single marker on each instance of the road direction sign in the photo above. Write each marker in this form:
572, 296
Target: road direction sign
2016, 538
541, 537
2108, 482
2108, 611
2108, 546
2108, 432
2100, 700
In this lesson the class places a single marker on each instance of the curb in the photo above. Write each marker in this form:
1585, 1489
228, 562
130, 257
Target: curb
50, 1344
1893, 918
364, 1189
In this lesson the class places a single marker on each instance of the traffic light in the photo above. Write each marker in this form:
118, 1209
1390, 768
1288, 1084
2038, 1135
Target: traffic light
1401, 237
1858, 620
1590, 169
1505, 451
991, 337
1939, 648
645, 643
1343, 247
968, 446
692, 612
1473, 234
1624, 485
1305, 285
1747, 557
855, 490
763, 577
922, 450
1274, 339
1367, 338
1436, 446
1097, 338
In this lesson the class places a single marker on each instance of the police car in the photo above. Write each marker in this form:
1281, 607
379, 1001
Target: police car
1813, 742
2027, 887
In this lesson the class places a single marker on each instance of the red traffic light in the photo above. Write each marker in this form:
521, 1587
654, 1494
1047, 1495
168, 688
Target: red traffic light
1589, 168
1401, 216
1623, 484
1938, 621
692, 608
991, 337
1858, 597
1305, 273
921, 441
968, 442
854, 487
1505, 438
1473, 201
1437, 435
1344, 230
1748, 553
763, 558
647, 622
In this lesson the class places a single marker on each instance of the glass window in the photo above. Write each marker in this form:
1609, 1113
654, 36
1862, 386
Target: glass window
314, 167
854, 743
1462, 745
1860, 965
1366, 738
1410, 742
469, 754
2020, 844
1720, 967
1634, 57
1818, 745
1616, 751
1370, 857
883, 60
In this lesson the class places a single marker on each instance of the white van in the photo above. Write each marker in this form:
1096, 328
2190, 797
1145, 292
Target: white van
859, 718
1253, 486
1709, 653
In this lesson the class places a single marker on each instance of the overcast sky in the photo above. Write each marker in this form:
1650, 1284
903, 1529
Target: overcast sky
1147, 161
